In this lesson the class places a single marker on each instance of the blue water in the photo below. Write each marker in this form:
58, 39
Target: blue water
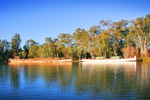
75, 81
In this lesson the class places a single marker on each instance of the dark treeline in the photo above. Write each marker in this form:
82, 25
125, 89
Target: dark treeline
123, 38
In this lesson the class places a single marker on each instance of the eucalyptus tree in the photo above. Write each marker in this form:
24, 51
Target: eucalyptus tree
24, 54
140, 30
40, 51
65, 42
104, 44
5, 50
49, 48
104, 39
31, 48
119, 35
93, 32
81, 41
33, 51
29, 43
15, 44
27, 46
55, 43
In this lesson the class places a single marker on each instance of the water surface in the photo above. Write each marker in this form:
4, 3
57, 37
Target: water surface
128, 80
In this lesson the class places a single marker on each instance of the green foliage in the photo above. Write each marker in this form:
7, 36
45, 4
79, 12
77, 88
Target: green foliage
64, 43
28, 44
15, 44
93, 46
5, 51
104, 47
119, 36
107, 39
140, 29
33, 51
24, 54
82, 39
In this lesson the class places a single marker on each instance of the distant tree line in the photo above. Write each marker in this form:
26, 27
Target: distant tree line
123, 38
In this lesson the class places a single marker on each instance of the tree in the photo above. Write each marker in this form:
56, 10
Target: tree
119, 32
5, 51
27, 46
104, 44
81, 41
93, 32
33, 51
49, 49
130, 51
24, 54
65, 42
56, 47
15, 44
29, 43
140, 30
40, 51
106, 39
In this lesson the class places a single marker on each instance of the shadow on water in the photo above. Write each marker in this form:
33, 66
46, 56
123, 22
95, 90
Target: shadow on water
128, 80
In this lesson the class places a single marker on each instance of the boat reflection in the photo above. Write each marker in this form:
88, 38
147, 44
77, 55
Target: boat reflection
97, 80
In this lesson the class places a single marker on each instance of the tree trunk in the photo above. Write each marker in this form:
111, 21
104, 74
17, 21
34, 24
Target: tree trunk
105, 54
124, 56
141, 51
145, 52
91, 55
115, 52
141, 46
145, 48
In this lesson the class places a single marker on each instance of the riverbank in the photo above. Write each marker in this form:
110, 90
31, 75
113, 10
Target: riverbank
49, 60
44, 60
143, 59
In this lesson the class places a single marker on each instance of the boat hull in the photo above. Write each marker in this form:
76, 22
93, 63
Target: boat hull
65, 60
109, 60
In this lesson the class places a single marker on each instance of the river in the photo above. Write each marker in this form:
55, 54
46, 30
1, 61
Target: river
128, 80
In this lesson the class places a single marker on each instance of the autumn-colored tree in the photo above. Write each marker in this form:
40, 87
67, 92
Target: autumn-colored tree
130, 51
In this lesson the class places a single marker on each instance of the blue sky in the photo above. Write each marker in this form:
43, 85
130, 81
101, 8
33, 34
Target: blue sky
38, 19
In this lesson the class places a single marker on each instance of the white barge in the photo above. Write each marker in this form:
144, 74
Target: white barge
109, 60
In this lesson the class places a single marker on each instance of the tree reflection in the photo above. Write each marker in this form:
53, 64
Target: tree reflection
58, 73
101, 80
14, 76
107, 80
4, 72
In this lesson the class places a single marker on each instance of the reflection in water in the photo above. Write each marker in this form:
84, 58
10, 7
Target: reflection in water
128, 80
107, 79
14, 76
